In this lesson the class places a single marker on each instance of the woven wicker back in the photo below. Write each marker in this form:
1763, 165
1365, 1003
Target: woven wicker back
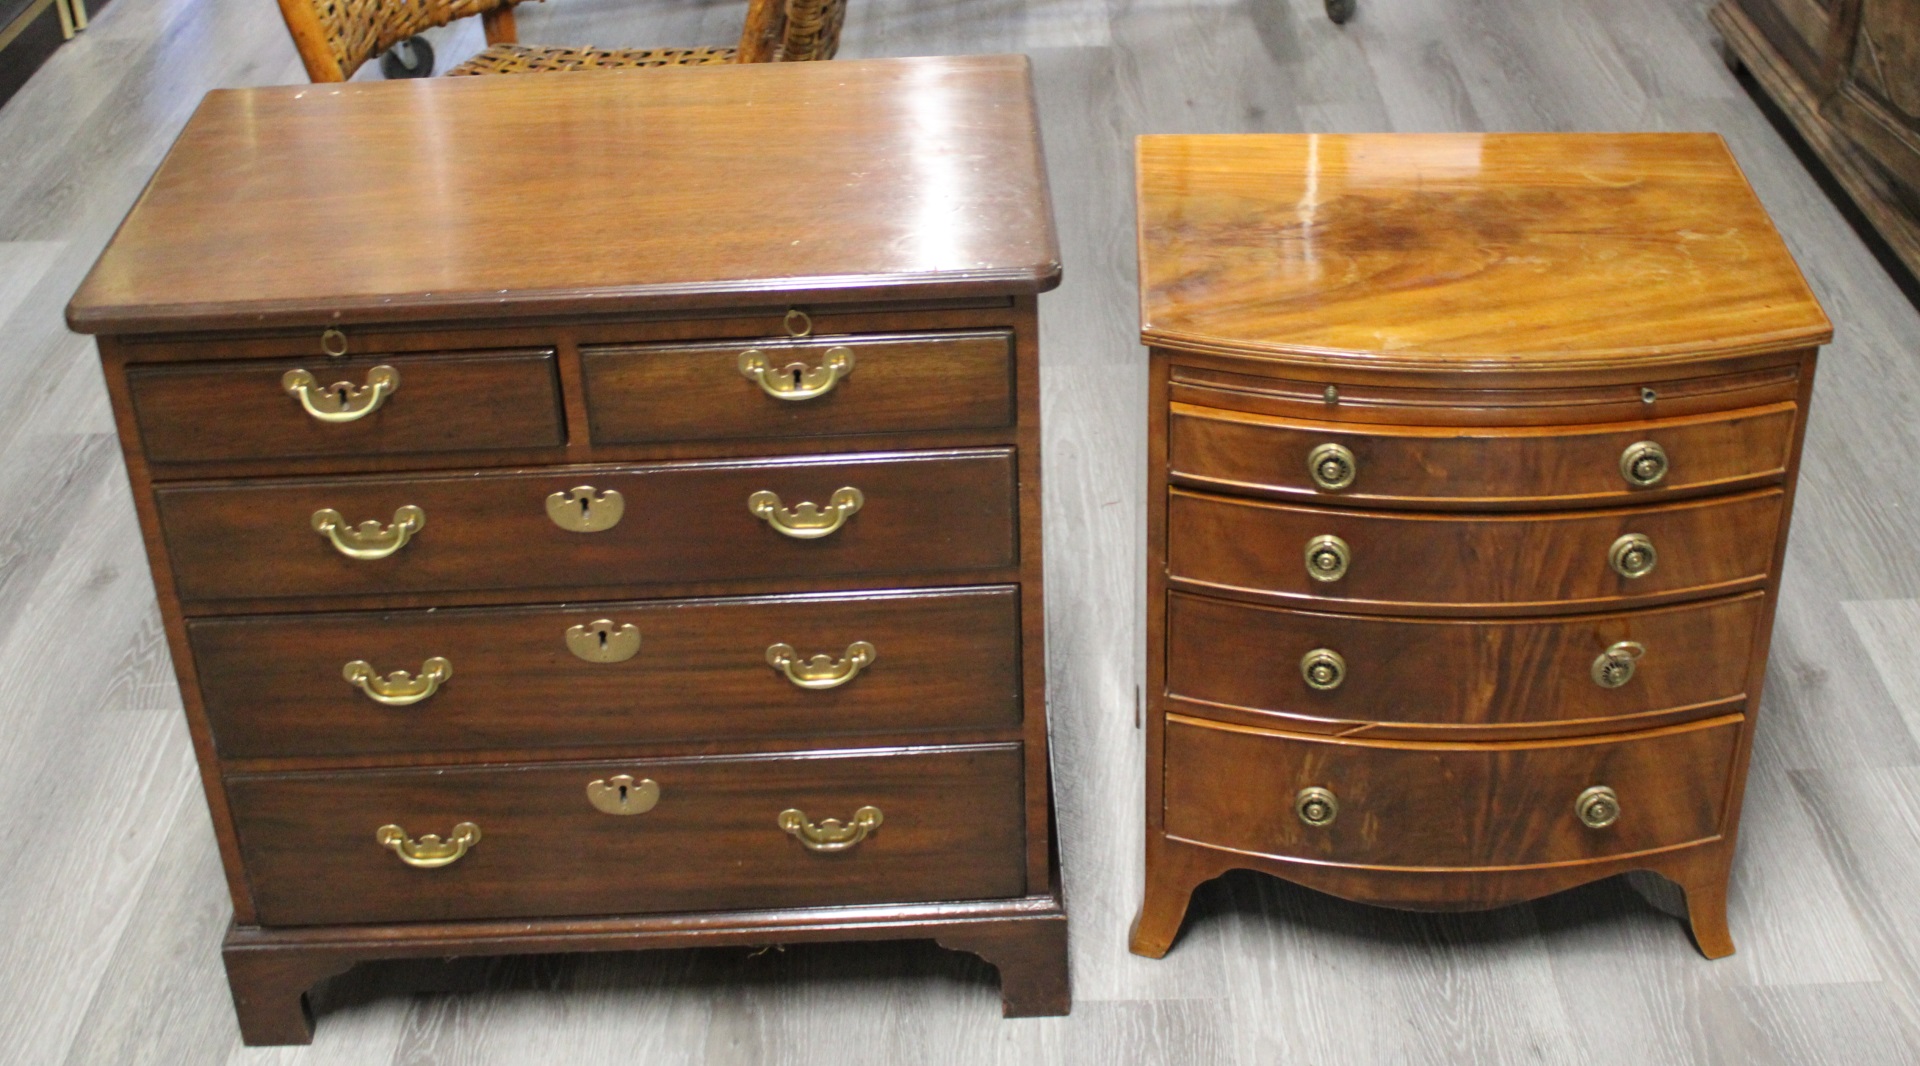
336, 36
788, 31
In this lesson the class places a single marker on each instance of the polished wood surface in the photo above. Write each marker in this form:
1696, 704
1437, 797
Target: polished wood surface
596, 190
1459, 250
951, 830
945, 660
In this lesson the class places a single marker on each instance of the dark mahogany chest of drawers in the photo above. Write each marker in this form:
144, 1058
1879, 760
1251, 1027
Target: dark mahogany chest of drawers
1471, 462
601, 511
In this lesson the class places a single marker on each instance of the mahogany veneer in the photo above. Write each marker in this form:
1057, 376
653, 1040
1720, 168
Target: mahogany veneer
1451, 353
597, 742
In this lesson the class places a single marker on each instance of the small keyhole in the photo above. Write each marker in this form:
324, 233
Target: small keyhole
341, 392
603, 640
585, 506
623, 795
796, 376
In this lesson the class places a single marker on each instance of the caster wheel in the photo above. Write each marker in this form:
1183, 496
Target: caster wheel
413, 58
1340, 10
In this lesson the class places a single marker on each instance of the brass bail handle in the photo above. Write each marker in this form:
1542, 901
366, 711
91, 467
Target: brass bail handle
797, 381
429, 852
369, 540
398, 689
342, 401
1614, 667
806, 520
822, 671
830, 834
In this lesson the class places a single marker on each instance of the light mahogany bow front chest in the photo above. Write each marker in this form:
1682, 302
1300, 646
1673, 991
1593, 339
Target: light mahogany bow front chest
1471, 465
601, 511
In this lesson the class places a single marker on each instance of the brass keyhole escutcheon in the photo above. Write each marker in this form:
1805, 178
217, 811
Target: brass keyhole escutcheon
1323, 669
1316, 806
1332, 466
582, 509
600, 641
621, 794
1327, 558
1614, 667
1633, 556
1643, 463
1598, 807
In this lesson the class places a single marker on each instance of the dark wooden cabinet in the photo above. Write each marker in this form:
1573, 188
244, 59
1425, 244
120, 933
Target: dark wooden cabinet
682, 589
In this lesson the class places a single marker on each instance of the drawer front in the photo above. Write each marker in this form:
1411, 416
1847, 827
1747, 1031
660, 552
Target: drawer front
945, 660
1478, 468
1446, 806
677, 522
218, 412
951, 827
819, 386
1589, 669
1418, 563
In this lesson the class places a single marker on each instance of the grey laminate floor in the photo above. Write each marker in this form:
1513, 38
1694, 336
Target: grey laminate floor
111, 903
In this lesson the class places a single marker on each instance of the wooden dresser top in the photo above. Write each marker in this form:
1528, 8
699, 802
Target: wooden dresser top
1416, 251
613, 191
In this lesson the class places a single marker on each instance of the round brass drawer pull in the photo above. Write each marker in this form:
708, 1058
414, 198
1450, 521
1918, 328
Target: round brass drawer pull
342, 401
398, 689
621, 794
1327, 558
807, 520
830, 834
1332, 466
1316, 806
1323, 669
1633, 556
822, 671
1598, 807
1614, 667
429, 852
1644, 463
797, 381
369, 540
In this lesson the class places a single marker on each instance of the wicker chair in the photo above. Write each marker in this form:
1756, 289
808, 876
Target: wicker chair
336, 36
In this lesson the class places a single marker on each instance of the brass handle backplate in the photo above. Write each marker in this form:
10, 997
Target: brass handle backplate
621, 794
1643, 463
1328, 557
342, 401
1633, 556
1332, 466
797, 381
822, 671
369, 540
1598, 807
1316, 806
830, 834
429, 851
1614, 667
600, 641
807, 521
398, 689
1323, 669
583, 510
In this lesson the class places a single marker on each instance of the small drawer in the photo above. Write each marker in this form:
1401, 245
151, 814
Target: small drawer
461, 402
707, 834
1338, 672
811, 387
516, 678
1478, 468
669, 523
1447, 806
1423, 563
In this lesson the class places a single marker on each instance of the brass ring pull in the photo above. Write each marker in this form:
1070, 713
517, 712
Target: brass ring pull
369, 540
798, 323
342, 401
1598, 807
821, 671
1614, 667
1643, 463
1633, 556
621, 794
429, 852
1332, 466
1327, 558
333, 342
398, 689
1316, 806
1323, 669
582, 509
830, 834
807, 521
797, 381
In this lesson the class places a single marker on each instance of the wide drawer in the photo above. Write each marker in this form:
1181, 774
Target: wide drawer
476, 401
1447, 806
950, 827
1440, 466
676, 522
1582, 671
1417, 563
817, 386
276, 685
